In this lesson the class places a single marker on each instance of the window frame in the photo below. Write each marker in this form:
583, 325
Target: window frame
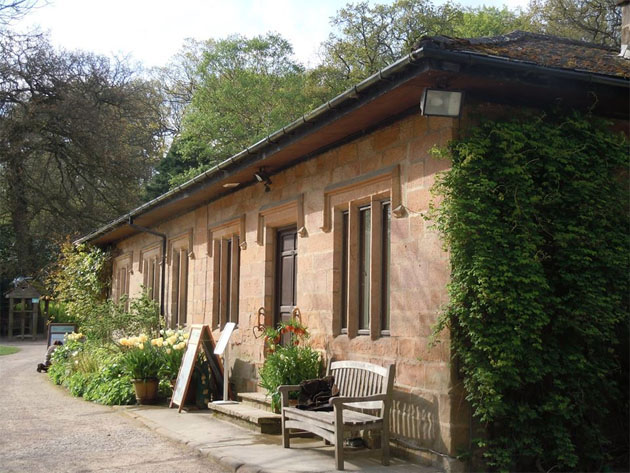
355, 297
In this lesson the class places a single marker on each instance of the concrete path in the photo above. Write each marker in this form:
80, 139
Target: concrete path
244, 451
44, 429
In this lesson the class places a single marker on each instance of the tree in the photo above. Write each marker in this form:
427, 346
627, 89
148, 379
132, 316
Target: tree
12, 10
596, 21
242, 90
78, 138
490, 21
368, 38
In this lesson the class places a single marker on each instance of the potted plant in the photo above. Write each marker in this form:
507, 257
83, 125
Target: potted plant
289, 360
142, 361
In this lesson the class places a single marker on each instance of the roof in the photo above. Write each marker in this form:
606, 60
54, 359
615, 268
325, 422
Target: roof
519, 68
542, 50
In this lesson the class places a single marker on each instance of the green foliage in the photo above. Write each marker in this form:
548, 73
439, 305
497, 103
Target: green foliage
80, 279
490, 21
244, 89
58, 313
80, 282
288, 363
535, 216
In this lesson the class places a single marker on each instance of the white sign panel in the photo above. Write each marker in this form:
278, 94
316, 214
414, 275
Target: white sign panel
225, 336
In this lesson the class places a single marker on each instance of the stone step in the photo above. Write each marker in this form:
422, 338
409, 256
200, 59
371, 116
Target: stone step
248, 416
257, 400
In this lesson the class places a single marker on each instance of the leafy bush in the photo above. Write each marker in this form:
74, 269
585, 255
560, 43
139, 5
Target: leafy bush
111, 385
287, 364
535, 216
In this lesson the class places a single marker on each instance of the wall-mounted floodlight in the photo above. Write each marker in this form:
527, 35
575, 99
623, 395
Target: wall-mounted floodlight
441, 103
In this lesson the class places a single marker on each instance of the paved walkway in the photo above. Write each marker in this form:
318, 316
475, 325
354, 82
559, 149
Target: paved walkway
51, 431
43, 429
244, 451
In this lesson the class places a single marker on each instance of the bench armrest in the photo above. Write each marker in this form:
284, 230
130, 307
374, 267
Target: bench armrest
284, 391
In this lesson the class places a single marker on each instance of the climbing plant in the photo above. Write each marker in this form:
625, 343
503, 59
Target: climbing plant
534, 213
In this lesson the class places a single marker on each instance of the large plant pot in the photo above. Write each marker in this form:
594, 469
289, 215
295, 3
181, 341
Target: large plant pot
146, 390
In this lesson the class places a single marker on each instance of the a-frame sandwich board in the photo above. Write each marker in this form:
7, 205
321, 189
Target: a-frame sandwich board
200, 336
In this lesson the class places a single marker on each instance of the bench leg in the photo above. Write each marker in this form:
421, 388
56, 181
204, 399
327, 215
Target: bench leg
385, 445
339, 438
285, 433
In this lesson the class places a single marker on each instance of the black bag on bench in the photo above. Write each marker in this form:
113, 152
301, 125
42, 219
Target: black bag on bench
315, 394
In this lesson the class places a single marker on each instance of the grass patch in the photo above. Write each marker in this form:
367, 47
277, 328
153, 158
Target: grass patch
8, 350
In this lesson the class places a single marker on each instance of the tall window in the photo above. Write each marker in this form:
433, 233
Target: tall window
151, 262
365, 272
120, 283
227, 255
179, 290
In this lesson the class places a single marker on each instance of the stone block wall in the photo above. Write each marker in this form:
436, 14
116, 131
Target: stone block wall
429, 410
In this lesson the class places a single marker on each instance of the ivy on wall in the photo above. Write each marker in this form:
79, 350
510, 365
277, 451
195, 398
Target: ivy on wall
535, 216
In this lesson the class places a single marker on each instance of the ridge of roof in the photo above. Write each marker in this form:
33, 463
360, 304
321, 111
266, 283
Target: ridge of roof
514, 36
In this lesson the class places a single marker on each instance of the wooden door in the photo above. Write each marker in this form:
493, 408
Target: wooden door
286, 270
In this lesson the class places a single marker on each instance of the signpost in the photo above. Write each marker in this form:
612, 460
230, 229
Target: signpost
58, 331
200, 336
223, 348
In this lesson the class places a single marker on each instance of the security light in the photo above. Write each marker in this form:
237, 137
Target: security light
441, 103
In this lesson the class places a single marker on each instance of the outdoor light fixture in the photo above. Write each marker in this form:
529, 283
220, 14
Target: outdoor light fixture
441, 103
262, 176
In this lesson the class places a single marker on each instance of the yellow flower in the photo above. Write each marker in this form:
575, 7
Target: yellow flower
157, 342
141, 346
172, 340
168, 350
143, 338
123, 342
186, 335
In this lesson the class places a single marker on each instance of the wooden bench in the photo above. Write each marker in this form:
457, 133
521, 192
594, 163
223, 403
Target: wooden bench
362, 386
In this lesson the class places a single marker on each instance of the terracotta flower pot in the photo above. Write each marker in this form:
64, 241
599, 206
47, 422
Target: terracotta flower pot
146, 390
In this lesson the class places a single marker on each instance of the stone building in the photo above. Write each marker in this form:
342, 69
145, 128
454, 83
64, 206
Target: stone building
326, 215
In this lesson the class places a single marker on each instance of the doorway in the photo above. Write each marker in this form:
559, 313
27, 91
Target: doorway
286, 274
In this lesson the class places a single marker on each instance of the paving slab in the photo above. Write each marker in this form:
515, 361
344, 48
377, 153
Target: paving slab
243, 451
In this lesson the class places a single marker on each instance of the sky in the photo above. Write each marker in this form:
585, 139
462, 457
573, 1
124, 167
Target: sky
152, 31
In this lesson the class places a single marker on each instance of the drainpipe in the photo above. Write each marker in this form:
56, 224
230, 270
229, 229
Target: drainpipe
163, 276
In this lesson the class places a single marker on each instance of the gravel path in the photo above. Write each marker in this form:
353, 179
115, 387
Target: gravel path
44, 429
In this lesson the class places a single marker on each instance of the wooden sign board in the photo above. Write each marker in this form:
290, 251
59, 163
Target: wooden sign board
200, 336
58, 331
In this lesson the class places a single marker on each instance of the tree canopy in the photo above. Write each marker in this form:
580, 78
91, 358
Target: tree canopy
79, 135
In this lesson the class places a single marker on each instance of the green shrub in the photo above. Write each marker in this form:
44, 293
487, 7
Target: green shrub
287, 364
111, 385
534, 214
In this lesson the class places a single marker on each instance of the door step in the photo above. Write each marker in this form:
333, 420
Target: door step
249, 416
257, 400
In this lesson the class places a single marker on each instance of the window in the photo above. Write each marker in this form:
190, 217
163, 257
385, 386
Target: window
227, 256
122, 271
364, 265
179, 287
151, 263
